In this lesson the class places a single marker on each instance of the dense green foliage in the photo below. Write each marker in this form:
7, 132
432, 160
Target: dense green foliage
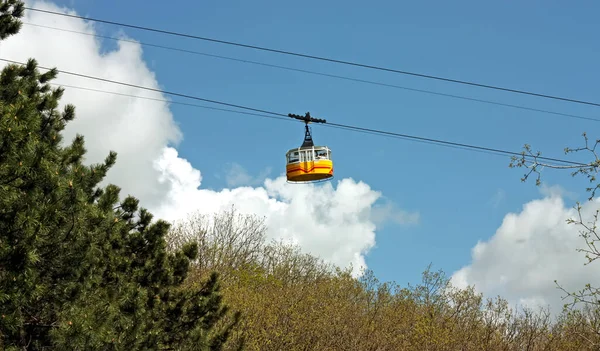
80, 269
10, 12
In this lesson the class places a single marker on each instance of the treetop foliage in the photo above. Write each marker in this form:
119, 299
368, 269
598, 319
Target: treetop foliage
10, 13
293, 301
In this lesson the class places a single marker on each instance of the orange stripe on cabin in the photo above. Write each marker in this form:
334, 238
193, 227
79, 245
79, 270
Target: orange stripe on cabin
307, 170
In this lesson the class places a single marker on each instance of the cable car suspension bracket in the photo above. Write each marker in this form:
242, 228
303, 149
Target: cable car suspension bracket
308, 142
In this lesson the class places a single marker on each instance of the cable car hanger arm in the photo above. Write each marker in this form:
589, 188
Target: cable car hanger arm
308, 142
307, 118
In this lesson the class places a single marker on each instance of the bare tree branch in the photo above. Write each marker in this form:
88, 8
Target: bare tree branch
531, 161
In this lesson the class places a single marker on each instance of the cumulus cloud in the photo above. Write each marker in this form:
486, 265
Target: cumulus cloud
237, 175
529, 251
137, 129
337, 223
333, 223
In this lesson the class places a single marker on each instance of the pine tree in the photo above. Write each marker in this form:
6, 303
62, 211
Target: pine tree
80, 269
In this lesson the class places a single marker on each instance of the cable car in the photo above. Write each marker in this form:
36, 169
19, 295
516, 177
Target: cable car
308, 163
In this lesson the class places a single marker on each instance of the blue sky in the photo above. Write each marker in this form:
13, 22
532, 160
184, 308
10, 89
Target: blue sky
462, 196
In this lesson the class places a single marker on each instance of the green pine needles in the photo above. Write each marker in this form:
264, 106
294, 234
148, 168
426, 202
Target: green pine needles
80, 269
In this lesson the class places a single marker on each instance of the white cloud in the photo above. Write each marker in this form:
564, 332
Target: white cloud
529, 251
557, 190
137, 129
336, 223
333, 223
236, 175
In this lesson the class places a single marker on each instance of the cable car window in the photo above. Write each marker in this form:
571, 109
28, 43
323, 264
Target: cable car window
293, 157
321, 154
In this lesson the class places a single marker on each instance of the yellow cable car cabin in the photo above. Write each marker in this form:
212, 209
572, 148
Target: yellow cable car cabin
308, 163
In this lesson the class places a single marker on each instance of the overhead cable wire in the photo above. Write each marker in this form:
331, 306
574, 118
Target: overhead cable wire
321, 58
272, 117
150, 89
361, 129
317, 73
281, 118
